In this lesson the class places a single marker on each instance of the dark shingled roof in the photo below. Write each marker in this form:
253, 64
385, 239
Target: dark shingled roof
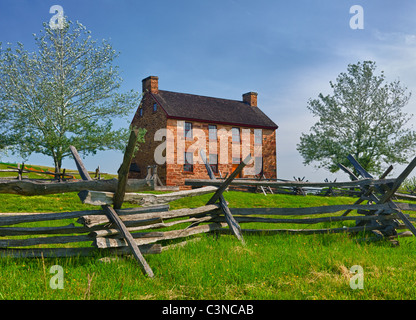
207, 109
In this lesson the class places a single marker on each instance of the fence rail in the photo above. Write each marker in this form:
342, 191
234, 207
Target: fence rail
300, 184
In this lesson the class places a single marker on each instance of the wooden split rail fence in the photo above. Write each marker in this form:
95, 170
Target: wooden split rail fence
58, 176
21, 169
379, 214
136, 231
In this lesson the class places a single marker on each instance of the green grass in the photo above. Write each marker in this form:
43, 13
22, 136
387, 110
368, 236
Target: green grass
267, 267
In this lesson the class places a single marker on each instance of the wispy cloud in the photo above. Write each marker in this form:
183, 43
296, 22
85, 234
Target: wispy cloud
395, 38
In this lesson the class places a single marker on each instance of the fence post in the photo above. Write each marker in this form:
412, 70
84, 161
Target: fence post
227, 182
386, 195
232, 223
20, 171
113, 216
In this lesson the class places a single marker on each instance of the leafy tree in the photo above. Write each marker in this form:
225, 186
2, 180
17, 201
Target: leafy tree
65, 93
363, 117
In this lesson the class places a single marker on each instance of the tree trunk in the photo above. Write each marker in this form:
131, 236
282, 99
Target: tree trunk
58, 164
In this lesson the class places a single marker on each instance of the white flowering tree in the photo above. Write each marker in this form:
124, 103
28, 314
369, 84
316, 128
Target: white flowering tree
65, 93
363, 117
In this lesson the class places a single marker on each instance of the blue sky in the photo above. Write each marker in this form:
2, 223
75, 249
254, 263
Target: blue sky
287, 51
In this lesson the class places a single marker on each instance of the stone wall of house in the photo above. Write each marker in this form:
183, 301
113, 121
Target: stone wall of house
152, 122
177, 144
269, 154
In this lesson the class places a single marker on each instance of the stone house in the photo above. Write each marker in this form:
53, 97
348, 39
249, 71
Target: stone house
178, 125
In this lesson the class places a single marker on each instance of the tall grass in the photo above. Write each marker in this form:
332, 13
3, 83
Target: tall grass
278, 267
409, 184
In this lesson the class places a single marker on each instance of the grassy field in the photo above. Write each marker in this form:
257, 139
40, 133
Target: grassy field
295, 267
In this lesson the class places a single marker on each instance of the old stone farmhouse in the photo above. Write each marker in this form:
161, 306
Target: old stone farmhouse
179, 124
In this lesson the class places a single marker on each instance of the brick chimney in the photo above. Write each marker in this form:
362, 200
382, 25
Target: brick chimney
151, 84
250, 98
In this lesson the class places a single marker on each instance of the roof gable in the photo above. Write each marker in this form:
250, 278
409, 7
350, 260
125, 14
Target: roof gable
208, 109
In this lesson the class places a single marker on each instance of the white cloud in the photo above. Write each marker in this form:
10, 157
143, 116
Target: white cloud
395, 38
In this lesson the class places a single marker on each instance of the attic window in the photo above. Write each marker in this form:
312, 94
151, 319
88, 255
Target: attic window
154, 107
141, 112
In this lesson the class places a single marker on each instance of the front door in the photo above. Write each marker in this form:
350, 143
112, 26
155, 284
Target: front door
235, 167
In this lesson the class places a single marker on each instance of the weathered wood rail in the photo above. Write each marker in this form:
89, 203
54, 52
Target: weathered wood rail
301, 184
38, 187
145, 199
153, 227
